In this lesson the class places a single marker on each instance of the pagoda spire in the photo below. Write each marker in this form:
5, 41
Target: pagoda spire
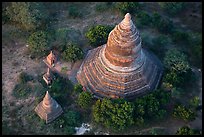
126, 22
47, 100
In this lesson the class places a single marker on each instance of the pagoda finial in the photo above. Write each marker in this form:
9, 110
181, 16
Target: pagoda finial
128, 16
127, 22
47, 100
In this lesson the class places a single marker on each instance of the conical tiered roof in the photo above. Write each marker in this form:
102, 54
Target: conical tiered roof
48, 109
120, 68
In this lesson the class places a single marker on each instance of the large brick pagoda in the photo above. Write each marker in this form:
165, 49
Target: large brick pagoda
120, 68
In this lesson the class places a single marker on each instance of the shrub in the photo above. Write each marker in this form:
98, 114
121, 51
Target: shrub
73, 118
159, 44
176, 61
163, 25
116, 116
194, 102
172, 8
38, 43
74, 12
72, 53
24, 77
84, 100
98, 35
30, 15
179, 36
173, 78
68, 130
61, 36
21, 90
187, 131
101, 7
78, 88
184, 113
128, 7
144, 18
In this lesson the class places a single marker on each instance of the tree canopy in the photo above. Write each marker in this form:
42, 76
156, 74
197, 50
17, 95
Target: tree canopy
38, 43
72, 53
98, 35
176, 61
113, 115
30, 15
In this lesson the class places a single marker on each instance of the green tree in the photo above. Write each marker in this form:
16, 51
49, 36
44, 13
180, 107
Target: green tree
38, 43
84, 100
24, 77
187, 131
144, 18
179, 36
98, 35
78, 88
172, 8
73, 118
30, 15
74, 12
176, 61
184, 113
73, 53
114, 115
163, 25
173, 78
194, 102
128, 7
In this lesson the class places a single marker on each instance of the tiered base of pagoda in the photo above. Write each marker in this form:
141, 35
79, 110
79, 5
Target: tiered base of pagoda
103, 79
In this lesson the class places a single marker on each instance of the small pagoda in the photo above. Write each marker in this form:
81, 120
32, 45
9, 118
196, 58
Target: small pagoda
51, 59
48, 109
121, 68
48, 77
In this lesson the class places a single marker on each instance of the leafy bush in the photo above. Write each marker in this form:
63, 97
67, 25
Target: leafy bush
68, 130
173, 78
61, 36
187, 131
194, 102
176, 61
30, 15
158, 44
98, 35
144, 18
74, 12
163, 25
24, 77
195, 43
38, 43
128, 7
151, 106
73, 118
103, 6
78, 88
179, 36
116, 116
84, 100
172, 8
60, 89
21, 90
72, 53
184, 113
